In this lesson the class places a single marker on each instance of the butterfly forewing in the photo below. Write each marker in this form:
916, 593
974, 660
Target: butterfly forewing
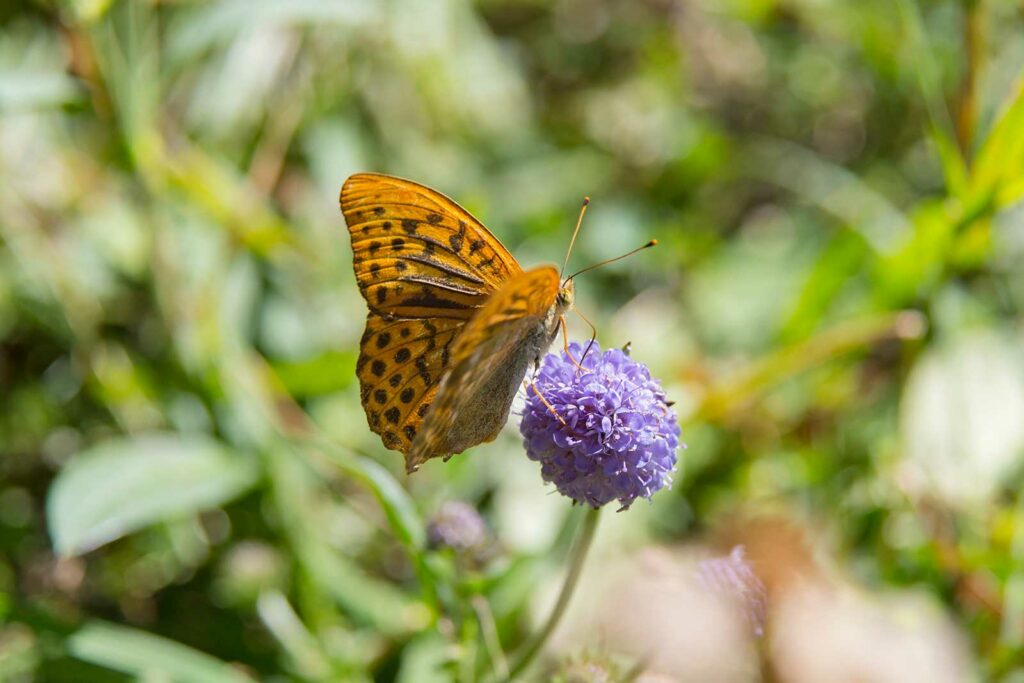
490, 357
418, 254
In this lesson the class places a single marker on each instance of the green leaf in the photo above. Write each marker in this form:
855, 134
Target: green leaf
926, 67
366, 597
425, 660
999, 165
841, 261
123, 485
88, 11
917, 266
145, 655
404, 520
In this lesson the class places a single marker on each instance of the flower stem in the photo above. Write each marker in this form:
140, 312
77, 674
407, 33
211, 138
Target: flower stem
576, 560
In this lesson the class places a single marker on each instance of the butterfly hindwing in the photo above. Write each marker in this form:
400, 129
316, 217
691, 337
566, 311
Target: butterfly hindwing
417, 253
490, 357
401, 363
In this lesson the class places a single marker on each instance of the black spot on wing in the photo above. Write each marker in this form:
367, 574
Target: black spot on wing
456, 241
431, 334
446, 354
421, 366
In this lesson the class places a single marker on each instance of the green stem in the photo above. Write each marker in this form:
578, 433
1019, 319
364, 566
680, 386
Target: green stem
489, 634
974, 51
576, 560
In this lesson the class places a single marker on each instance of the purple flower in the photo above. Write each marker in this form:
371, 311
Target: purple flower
602, 433
734, 579
457, 526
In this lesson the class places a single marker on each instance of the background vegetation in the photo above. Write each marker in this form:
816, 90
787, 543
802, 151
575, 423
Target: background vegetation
186, 475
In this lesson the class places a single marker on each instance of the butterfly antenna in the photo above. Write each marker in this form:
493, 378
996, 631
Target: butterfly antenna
611, 260
579, 222
593, 337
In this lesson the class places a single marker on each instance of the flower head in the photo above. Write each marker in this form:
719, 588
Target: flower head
457, 526
734, 579
602, 433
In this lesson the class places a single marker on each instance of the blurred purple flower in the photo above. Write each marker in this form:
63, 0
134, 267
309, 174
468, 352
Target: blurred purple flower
734, 579
615, 436
458, 526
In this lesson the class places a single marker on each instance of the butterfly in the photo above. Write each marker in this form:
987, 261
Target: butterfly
454, 321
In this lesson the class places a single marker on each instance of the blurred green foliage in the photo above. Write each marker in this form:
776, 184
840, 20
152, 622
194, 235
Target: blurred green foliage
187, 485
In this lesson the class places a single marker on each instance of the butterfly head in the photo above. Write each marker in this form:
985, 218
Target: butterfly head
566, 296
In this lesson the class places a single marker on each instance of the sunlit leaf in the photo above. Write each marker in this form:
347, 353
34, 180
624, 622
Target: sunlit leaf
839, 262
121, 486
423, 661
999, 165
368, 598
147, 656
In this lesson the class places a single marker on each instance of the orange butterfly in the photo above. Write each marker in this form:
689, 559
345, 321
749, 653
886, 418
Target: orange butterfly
454, 321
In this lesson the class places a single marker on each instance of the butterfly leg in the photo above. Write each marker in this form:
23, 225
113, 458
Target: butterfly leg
551, 408
565, 342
